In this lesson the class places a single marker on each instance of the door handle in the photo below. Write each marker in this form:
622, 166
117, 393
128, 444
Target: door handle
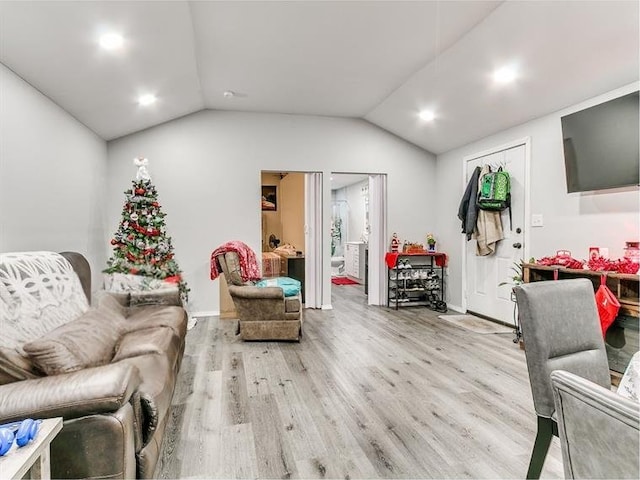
517, 245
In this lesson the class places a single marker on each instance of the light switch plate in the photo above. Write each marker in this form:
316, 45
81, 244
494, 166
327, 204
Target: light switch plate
537, 220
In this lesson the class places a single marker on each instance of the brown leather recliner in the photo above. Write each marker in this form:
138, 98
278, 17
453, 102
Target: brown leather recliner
114, 414
264, 313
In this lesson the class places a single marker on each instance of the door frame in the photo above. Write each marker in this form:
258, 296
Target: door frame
526, 141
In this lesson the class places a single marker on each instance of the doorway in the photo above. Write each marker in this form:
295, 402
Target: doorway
485, 278
349, 231
283, 226
358, 233
291, 234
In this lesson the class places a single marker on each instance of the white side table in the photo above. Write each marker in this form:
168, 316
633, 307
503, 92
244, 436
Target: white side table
33, 457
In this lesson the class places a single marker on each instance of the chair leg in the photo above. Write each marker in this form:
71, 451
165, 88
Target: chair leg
540, 447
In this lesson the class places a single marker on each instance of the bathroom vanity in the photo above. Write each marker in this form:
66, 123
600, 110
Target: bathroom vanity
355, 260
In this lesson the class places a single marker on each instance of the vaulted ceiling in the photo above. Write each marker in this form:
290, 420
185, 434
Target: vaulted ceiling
381, 61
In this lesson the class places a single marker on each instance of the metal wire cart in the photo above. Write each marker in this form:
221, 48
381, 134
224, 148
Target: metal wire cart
416, 279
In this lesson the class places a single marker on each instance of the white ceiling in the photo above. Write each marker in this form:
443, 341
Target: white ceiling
382, 61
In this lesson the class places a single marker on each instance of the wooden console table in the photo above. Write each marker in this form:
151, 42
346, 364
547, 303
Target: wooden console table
33, 458
622, 339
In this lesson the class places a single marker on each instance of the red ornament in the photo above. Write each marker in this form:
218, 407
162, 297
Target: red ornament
155, 204
140, 191
114, 241
133, 271
174, 279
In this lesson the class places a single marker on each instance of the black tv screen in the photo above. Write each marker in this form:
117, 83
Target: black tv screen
601, 145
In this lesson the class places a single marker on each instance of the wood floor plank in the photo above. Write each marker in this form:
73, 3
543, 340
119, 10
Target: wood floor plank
369, 392
274, 458
201, 443
235, 397
238, 457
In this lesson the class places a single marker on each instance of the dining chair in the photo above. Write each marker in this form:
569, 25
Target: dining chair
599, 429
561, 331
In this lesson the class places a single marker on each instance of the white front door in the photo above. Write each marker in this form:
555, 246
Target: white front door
484, 295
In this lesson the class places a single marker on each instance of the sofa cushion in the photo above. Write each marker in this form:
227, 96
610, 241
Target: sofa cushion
118, 302
88, 341
158, 316
160, 340
40, 292
167, 296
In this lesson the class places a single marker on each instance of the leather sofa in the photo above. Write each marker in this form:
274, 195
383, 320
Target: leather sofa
110, 372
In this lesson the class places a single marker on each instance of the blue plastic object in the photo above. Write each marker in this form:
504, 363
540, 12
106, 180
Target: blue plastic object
6, 440
22, 432
290, 286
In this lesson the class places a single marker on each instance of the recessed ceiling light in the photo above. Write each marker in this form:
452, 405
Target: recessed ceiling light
111, 41
505, 74
427, 115
229, 94
148, 99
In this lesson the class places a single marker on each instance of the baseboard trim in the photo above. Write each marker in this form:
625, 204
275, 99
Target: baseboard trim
457, 308
491, 319
327, 307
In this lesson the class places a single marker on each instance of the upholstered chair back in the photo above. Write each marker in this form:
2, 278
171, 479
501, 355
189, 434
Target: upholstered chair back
230, 266
599, 429
561, 331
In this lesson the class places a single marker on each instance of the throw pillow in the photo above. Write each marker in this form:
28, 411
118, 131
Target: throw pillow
40, 291
15, 367
89, 341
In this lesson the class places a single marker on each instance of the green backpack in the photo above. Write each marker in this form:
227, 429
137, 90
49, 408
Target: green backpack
494, 192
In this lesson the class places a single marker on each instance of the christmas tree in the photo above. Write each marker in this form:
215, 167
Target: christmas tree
141, 245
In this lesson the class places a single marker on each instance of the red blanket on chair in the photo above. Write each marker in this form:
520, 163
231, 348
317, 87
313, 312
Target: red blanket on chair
249, 269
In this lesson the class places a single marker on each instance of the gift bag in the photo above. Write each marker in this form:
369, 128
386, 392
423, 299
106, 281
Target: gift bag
607, 303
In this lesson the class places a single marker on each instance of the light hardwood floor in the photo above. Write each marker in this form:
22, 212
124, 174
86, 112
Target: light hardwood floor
368, 393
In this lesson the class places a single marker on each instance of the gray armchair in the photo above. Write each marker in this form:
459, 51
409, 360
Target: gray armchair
264, 313
561, 331
599, 429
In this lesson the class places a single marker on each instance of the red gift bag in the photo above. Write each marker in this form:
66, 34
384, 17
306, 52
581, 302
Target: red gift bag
608, 305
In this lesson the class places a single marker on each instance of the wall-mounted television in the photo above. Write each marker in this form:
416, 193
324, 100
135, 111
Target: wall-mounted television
601, 145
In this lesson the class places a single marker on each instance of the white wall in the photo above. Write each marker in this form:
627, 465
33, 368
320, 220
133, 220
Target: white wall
52, 173
572, 222
292, 210
207, 167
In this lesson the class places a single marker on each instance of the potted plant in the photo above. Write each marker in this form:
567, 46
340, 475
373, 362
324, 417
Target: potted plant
514, 281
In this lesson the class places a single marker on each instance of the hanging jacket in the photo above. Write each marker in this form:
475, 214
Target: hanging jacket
468, 210
488, 231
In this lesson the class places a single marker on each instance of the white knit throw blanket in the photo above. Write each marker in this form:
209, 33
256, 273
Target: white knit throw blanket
39, 291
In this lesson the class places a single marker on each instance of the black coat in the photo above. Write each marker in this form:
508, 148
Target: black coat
468, 211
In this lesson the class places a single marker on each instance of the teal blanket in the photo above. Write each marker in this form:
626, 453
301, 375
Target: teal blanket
290, 286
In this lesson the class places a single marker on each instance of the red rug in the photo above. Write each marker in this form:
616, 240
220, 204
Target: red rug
343, 281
